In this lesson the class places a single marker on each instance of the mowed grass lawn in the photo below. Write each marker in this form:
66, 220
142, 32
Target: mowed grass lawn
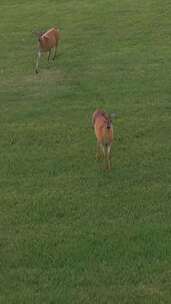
71, 232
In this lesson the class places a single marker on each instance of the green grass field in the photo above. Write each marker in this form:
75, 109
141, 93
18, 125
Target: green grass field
71, 232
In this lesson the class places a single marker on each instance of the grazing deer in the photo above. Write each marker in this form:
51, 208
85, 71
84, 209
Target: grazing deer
47, 41
103, 128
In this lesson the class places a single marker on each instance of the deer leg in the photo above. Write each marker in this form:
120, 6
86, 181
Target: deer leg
54, 54
49, 54
37, 62
98, 151
105, 156
109, 157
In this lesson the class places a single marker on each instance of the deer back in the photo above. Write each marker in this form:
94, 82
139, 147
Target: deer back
49, 39
103, 126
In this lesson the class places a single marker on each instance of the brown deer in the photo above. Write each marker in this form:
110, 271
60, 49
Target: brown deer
102, 124
47, 41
